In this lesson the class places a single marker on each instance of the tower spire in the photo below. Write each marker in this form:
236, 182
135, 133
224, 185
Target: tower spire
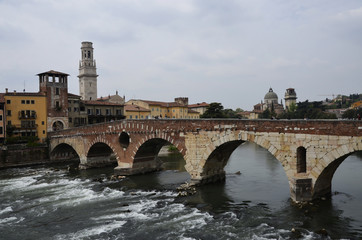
87, 73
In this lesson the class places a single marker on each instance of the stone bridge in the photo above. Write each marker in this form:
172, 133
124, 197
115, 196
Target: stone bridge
310, 151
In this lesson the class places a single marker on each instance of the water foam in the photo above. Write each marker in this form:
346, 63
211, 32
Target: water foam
92, 231
6, 210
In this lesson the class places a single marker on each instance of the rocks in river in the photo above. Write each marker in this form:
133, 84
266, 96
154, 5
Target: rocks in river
186, 189
238, 173
322, 232
296, 233
116, 177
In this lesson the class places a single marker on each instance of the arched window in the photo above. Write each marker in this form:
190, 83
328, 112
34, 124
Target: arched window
301, 160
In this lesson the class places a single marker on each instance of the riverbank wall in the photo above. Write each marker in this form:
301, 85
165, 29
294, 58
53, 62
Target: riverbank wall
20, 155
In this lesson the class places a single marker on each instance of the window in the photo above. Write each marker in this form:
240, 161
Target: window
27, 101
69, 109
32, 101
76, 109
9, 122
136, 117
9, 112
130, 117
43, 131
98, 111
89, 54
1, 130
108, 111
70, 120
1, 117
301, 160
119, 112
8, 101
22, 101
153, 109
42, 123
57, 104
56, 91
90, 111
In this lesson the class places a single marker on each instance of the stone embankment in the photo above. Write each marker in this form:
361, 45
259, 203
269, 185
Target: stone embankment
18, 155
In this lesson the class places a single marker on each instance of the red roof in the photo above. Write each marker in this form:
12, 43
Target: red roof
203, 104
99, 103
135, 108
161, 104
25, 94
52, 72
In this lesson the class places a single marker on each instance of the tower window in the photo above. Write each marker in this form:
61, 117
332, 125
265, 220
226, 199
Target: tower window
89, 54
56, 91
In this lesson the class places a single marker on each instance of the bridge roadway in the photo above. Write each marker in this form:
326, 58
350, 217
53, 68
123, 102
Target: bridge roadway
310, 151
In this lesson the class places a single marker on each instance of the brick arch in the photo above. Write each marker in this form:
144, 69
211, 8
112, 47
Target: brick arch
329, 163
158, 135
100, 139
78, 148
65, 150
143, 151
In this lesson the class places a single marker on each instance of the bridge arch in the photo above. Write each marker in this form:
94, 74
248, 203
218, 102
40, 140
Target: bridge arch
217, 153
330, 162
99, 154
147, 150
64, 152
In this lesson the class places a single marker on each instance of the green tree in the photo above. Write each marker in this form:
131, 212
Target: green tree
214, 110
352, 113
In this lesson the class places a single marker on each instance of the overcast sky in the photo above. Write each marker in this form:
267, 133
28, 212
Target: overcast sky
207, 50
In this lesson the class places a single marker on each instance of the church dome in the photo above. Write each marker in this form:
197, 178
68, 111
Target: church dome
271, 96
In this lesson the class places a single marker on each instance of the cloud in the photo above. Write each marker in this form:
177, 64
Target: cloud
228, 51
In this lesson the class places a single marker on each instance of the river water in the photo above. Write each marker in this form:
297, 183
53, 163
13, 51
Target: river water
49, 202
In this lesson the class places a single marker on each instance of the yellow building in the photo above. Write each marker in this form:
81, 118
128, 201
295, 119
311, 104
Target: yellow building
356, 105
136, 112
26, 114
176, 110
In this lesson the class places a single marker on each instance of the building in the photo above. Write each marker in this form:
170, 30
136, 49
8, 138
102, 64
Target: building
87, 73
77, 112
113, 99
290, 97
199, 107
54, 85
26, 114
136, 112
98, 111
177, 109
356, 105
2, 118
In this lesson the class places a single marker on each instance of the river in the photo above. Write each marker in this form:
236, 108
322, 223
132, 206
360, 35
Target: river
49, 202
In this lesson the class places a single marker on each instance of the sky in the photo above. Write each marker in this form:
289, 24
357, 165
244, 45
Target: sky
229, 51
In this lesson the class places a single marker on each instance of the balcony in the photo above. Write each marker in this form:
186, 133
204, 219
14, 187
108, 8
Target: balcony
27, 115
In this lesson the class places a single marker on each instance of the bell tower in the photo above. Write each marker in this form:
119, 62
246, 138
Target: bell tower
87, 73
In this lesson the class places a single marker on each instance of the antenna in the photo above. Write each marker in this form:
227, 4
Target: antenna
24, 86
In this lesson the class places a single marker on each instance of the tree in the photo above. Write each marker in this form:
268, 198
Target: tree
214, 110
352, 113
